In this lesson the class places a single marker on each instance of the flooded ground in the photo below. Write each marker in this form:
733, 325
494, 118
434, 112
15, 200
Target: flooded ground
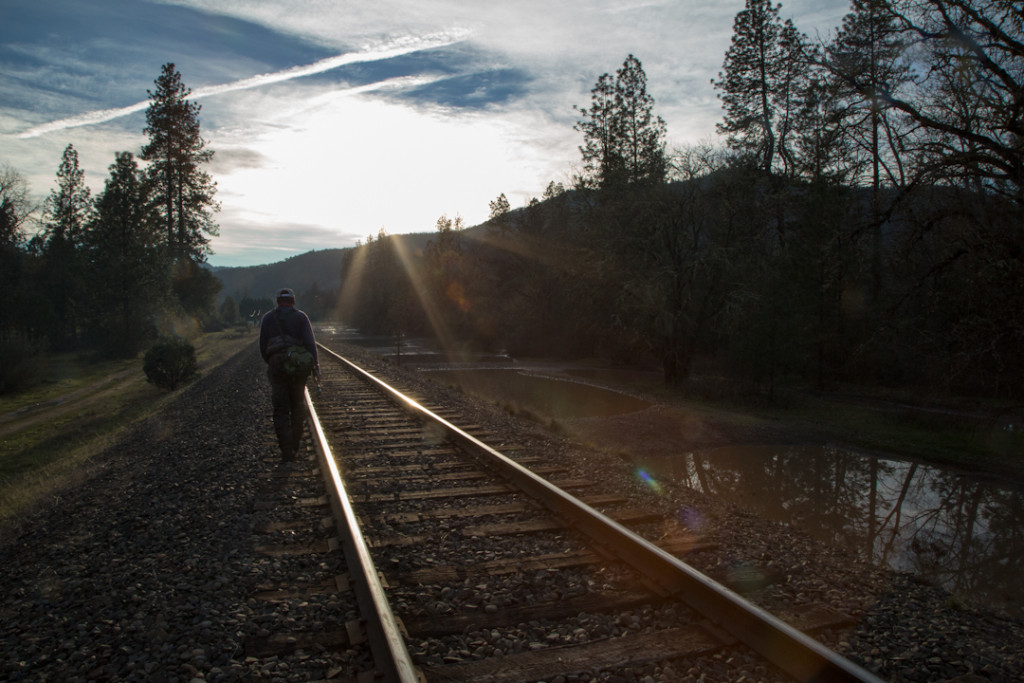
961, 532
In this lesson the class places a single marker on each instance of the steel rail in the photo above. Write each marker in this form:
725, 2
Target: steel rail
387, 644
791, 650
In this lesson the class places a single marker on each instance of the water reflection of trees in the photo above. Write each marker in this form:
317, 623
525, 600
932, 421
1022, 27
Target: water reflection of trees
964, 533
972, 542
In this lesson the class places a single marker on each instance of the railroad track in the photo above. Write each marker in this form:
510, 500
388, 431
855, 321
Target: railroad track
444, 559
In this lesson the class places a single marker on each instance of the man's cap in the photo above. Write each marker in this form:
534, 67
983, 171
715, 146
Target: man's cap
286, 294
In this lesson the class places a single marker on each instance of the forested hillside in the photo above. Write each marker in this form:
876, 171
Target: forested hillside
315, 276
862, 223
300, 272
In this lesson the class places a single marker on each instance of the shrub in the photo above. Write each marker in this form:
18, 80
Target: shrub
170, 363
22, 364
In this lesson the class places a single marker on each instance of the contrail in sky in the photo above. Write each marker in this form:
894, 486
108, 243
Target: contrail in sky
395, 48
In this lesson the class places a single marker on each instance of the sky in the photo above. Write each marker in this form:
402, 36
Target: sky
331, 120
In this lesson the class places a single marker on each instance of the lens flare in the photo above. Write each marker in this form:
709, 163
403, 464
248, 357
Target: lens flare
690, 517
649, 480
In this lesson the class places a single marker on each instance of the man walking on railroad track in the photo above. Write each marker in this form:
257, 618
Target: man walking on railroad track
284, 333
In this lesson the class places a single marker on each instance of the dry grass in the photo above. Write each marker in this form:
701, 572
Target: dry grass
50, 434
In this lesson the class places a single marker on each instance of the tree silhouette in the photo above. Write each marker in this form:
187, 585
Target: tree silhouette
14, 211
125, 261
761, 79
183, 192
624, 142
66, 212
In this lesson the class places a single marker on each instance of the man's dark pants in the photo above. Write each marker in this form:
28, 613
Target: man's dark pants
288, 399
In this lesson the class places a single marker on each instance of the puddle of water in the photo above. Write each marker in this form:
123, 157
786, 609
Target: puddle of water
559, 399
963, 533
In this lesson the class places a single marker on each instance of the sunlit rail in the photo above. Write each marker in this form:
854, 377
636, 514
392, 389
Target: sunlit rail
386, 640
802, 657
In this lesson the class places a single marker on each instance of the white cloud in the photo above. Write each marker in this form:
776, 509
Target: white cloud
354, 164
392, 48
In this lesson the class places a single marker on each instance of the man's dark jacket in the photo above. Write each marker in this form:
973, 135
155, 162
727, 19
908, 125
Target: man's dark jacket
294, 324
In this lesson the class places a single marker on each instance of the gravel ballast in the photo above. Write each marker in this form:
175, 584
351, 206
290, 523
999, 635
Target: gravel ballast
144, 571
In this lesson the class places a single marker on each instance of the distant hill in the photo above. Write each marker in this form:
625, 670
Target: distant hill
298, 272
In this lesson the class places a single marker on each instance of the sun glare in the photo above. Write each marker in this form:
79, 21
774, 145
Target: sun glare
352, 164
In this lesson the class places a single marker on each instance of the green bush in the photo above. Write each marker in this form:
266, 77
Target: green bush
170, 363
22, 364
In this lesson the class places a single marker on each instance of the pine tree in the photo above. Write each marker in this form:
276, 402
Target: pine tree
66, 213
821, 149
499, 217
183, 192
124, 261
624, 142
14, 211
795, 78
69, 205
640, 135
764, 75
749, 77
868, 57
14, 207
598, 149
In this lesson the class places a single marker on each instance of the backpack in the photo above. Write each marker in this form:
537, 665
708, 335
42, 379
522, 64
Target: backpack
298, 362
294, 360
